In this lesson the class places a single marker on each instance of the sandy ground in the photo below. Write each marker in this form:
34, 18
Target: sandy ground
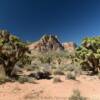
89, 87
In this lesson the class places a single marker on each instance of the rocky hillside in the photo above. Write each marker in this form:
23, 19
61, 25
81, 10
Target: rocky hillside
51, 42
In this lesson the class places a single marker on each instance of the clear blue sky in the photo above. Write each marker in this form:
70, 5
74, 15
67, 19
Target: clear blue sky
71, 20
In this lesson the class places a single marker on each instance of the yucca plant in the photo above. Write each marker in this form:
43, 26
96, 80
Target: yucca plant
12, 49
88, 54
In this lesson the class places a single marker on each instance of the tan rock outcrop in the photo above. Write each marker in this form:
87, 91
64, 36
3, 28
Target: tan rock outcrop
69, 46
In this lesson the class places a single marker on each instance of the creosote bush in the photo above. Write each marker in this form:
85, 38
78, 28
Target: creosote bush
71, 75
77, 96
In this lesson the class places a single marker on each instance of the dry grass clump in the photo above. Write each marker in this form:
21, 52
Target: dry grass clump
56, 80
77, 96
71, 75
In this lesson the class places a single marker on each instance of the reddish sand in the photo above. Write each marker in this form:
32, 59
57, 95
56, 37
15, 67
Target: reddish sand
89, 87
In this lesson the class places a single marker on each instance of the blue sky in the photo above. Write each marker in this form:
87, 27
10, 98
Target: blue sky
71, 20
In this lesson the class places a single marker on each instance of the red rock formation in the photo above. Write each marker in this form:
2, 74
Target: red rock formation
69, 46
50, 42
46, 43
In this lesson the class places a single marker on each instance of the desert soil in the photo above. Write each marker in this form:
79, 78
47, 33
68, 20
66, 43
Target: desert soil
89, 87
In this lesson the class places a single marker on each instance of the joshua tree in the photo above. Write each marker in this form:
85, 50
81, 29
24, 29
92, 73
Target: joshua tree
11, 50
89, 54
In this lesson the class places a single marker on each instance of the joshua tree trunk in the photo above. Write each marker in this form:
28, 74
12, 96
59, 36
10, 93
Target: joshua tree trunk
2, 71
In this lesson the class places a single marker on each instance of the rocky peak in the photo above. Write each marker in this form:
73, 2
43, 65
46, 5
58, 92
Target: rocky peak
47, 43
51, 42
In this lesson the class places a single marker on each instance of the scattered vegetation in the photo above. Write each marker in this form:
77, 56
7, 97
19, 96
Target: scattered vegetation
52, 56
49, 63
77, 96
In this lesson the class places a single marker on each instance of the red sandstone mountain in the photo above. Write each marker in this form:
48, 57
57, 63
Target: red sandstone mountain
51, 42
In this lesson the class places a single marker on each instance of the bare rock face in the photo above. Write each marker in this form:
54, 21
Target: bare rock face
47, 43
69, 46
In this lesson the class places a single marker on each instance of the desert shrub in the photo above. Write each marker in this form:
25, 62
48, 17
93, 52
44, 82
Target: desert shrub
56, 80
39, 71
50, 56
77, 96
88, 54
58, 72
45, 57
71, 75
23, 79
34, 67
31, 80
70, 67
4, 79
